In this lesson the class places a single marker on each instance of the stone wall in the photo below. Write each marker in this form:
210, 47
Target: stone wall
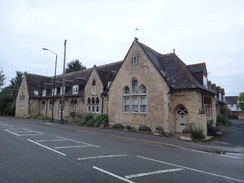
157, 112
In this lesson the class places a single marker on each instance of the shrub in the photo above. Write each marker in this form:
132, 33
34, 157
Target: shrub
197, 134
40, 117
90, 123
118, 125
223, 121
73, 114
101, 118
128, 127
88, 116
144, 128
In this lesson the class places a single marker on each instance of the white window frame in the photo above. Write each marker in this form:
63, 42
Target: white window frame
126, 104
93, 90
36, 92
75, 89
54, 91
73, 107
143, 104
61, 90
134, 104
44, 93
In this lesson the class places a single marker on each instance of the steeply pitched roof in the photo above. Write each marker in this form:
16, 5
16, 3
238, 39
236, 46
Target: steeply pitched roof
231, 99
173, 70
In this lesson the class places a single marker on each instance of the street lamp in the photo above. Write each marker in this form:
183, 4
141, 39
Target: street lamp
54, 80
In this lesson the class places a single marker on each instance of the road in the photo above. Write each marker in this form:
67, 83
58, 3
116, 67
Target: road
30, 152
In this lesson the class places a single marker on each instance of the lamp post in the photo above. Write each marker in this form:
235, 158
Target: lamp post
54, 80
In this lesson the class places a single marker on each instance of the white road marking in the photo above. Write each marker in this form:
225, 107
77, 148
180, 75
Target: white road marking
222, 143
192, 169
104, 156
6, 125
201, 151
22, 135
109, 173
50, 140
46, 147
78, 142
67, 147
152, 173
12, 132
234, 157
31, 130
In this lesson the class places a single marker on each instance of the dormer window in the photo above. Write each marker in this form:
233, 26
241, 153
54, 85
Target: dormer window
61, 92
75, 89
205, 81
54, 91
36, 92
44, 93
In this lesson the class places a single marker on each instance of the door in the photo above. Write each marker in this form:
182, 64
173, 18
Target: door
181, 119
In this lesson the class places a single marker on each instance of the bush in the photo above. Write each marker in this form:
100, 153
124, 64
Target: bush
144, 128
197, 134
88, 116
40, 117
223, 121
101, 118
118, 125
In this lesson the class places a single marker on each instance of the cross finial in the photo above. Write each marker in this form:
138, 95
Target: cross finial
137, 29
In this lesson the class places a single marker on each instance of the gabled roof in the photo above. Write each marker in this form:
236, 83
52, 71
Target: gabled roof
173, 70
197, 68
108, 72
231, 99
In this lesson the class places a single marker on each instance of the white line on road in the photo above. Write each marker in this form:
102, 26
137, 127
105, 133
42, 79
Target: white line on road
234, 157
6, 125
104, 156
192, 169
12, 132
152, 173
22, 135
67, 147
109, 173
46, 147
200, 151
51, 140
78, 142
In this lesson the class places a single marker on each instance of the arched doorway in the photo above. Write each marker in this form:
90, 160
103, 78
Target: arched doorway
181, 119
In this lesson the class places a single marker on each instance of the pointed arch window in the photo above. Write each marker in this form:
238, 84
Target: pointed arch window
136, 101
94, 87
134, 86
143, 89
126, 90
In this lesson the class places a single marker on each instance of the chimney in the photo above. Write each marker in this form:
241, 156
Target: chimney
173, 50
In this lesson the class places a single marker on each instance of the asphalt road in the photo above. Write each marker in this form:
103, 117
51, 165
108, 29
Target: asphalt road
34, 153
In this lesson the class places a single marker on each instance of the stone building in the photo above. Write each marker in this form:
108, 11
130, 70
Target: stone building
146, 88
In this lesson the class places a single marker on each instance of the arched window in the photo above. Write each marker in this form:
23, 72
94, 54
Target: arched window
126, 90
97, 100
93, 100
88, 100
143, 89
134, 86
93, 86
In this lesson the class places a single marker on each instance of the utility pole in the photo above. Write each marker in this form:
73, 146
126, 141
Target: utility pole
63, 92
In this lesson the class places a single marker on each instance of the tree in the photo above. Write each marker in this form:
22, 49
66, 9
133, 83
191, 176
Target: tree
240, 103
75, 65
2, 77
16, 82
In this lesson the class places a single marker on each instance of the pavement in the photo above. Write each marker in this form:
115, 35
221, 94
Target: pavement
210, 145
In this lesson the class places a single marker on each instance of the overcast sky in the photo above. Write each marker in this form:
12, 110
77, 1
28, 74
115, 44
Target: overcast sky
101, 31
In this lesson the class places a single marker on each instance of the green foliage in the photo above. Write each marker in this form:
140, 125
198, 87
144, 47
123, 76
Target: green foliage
88, 116
42, 118
101, 118
118, 125
73, 114
197, 134
16, 82
223, 121
240, 103
5, 101
144, 128
75, 65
